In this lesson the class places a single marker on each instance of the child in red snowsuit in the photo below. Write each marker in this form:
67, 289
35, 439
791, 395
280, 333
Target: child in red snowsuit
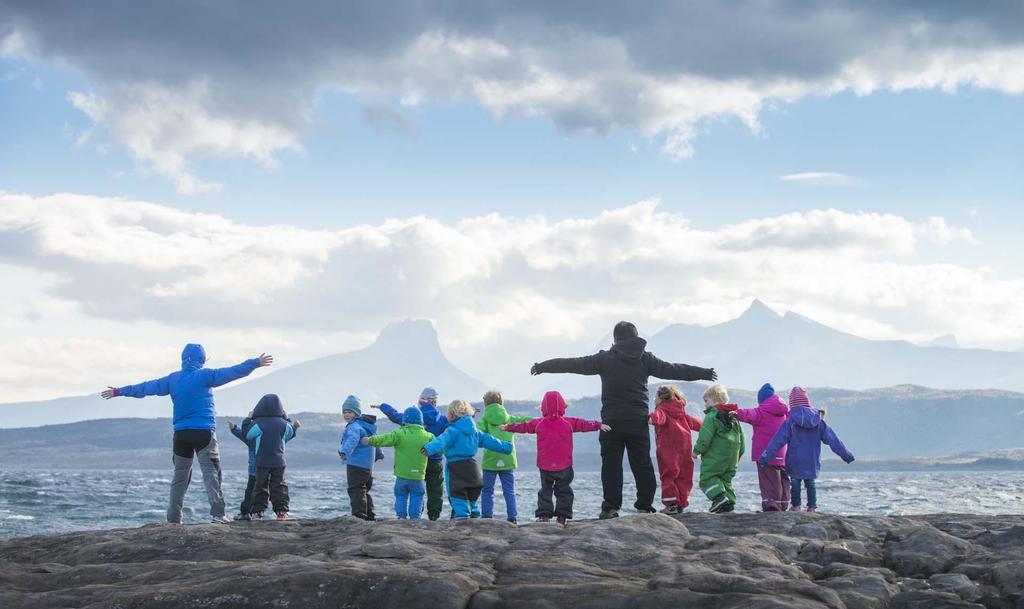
672, 427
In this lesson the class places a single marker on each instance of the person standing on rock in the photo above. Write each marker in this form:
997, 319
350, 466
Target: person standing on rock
195, 425
624, 370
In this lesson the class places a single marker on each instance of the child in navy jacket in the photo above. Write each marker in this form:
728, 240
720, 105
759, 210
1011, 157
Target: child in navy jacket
270, 431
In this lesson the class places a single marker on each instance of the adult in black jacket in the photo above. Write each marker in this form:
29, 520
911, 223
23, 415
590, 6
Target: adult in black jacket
624, 370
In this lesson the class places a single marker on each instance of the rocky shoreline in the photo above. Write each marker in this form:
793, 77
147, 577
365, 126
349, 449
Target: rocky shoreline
781, 560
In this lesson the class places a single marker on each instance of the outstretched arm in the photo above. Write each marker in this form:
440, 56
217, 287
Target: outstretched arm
215, 377
678, 372
524, 427
160, 386
491, 443
572, 365
388, 439
579, 425
694, 422
393, 415
829, 437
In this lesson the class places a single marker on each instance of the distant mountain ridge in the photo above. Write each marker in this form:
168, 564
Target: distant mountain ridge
762, 345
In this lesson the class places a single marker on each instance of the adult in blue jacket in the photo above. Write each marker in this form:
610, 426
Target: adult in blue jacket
191, 391
435, 423
459, 444
269, 432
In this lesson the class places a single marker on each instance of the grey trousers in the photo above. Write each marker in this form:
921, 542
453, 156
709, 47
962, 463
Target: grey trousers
208, 454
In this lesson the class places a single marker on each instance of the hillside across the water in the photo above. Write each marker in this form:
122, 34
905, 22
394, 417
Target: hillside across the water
703, 561
908, 427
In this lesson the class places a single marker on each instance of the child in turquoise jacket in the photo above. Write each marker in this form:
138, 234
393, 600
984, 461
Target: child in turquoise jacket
459, 444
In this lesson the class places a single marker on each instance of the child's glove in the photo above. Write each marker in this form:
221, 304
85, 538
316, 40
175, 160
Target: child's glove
423, 451
341, 455
231, 425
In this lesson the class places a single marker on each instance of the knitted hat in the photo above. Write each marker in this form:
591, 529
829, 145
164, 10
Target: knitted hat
765, 392
412, 416
428, 393
352, 404
624, 330
798, 397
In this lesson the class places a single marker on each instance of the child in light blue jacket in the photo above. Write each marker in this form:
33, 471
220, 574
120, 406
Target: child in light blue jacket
459, 444
359, 458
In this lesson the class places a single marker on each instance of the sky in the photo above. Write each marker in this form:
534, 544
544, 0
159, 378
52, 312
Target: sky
268, 178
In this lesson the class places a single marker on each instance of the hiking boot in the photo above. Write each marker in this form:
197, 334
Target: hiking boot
543, 518
812, 509
283, 516
220, 520
647, 510
561, 520
245, 517
718, 502
513, 521
728, 507
795, 508
671, 510
608, 514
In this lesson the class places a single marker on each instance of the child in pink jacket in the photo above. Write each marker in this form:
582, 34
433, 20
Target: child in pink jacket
554, 454
766, 419
672, 437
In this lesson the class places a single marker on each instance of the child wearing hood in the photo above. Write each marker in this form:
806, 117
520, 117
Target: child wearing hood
410, 462
459, 444
270, 430
239, 431
802, 435
766, 419
435, 423
358, 457
674, 447
497, 465
720, 446
554, 454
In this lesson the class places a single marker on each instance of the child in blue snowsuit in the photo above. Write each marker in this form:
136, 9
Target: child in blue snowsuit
239, 431
358, 457
435, 423
459, 444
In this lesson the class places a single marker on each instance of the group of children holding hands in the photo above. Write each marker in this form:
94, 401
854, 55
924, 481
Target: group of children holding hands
435, 453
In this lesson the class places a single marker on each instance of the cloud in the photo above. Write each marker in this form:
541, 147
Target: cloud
823, 178
485, 276
176, 83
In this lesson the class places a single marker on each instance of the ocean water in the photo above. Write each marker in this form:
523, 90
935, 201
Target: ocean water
38, 501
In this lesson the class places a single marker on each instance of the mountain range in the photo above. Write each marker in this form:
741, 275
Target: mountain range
760, 345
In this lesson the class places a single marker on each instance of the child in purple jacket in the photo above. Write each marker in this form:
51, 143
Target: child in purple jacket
803, 434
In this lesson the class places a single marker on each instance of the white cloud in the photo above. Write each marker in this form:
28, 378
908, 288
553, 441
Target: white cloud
482, 276
824, 178
665, 73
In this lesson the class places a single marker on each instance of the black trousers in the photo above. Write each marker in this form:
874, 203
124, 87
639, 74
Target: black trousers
633, 438
270, 484
360, 481
435, 488
560, 485
250, 489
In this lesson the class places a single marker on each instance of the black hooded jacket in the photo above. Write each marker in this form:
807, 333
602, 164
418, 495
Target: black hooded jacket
624, 370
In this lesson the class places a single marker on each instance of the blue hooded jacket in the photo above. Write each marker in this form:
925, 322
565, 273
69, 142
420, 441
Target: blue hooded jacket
804, 432
462, 439
352, 448
191, 387
433, 421
270, 431
239, 432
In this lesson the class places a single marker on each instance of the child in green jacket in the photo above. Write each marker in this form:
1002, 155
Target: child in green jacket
410, 462
720, 446
497, 465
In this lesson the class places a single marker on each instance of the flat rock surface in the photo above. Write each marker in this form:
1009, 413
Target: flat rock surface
780, 560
